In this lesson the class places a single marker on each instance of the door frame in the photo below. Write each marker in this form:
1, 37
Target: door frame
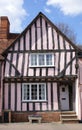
71, 96
64, 97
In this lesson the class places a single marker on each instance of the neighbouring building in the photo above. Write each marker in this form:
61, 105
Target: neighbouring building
40, 73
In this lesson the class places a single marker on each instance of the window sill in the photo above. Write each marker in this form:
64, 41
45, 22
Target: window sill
42, 66
43, 101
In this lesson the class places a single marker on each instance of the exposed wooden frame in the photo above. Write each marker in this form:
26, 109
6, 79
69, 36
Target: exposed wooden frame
42, 79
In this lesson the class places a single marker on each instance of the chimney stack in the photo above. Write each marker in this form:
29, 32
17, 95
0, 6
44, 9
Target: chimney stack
4, 27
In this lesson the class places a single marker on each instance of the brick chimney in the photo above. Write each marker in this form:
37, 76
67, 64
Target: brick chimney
4, 27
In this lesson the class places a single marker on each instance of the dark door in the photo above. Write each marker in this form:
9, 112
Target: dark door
6, 117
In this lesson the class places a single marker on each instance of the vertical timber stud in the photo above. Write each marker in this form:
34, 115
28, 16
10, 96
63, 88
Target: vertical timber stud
59, 53
47, 34
15, 96
65, 57
76, 62
58, 94
21, 96
51, 96
47, 94
71, 56
76, 96
9, 96
41, 33
35, 36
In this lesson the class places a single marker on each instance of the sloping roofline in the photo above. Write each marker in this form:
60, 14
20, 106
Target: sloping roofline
40, 14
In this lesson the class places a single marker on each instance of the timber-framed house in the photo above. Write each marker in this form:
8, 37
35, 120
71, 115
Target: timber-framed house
40, 74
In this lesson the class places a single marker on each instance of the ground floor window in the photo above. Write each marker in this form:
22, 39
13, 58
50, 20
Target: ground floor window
34, 92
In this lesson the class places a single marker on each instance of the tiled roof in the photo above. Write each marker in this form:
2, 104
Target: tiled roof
5, 43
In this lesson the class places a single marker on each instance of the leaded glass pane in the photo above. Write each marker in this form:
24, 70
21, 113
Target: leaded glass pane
41, 59
34, 92
49, 59
33, 59
41, 92
26, 92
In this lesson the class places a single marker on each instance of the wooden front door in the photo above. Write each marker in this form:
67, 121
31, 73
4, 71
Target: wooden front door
64, 97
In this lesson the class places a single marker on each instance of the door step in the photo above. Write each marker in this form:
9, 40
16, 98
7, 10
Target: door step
68, 117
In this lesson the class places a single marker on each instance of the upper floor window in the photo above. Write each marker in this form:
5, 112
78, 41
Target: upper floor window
41, 59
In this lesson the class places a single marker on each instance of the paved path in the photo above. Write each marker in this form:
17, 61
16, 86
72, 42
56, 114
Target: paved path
42, 126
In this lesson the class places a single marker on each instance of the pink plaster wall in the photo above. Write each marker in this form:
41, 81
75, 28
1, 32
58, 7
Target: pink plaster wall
1, 89
67, 45
61, 42
24, 105
30, 72
49, 97
26, 64
21, 43
33, 37
44, 72
18, 97
20, 62
50, 72
39, 34
37, 106
6, 96
14, 63
56, 63
7, 66
14, 59
44, 34
62, 61
55, 97
44, 107
50, 37
37, 72
7, 69
68, 59
80, 71
13, 96
13, 72
30, 106
55, 39
16, 46
73, 64
27, 40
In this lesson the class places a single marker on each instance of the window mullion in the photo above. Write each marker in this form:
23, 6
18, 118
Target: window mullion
45, 91
37, 91
30, 90
37, 60
52, 59
45, 59
30, 59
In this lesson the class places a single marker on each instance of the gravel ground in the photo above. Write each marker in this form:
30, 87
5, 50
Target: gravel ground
42, 126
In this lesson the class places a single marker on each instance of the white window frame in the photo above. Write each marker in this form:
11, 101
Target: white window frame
30, 100
45, 65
